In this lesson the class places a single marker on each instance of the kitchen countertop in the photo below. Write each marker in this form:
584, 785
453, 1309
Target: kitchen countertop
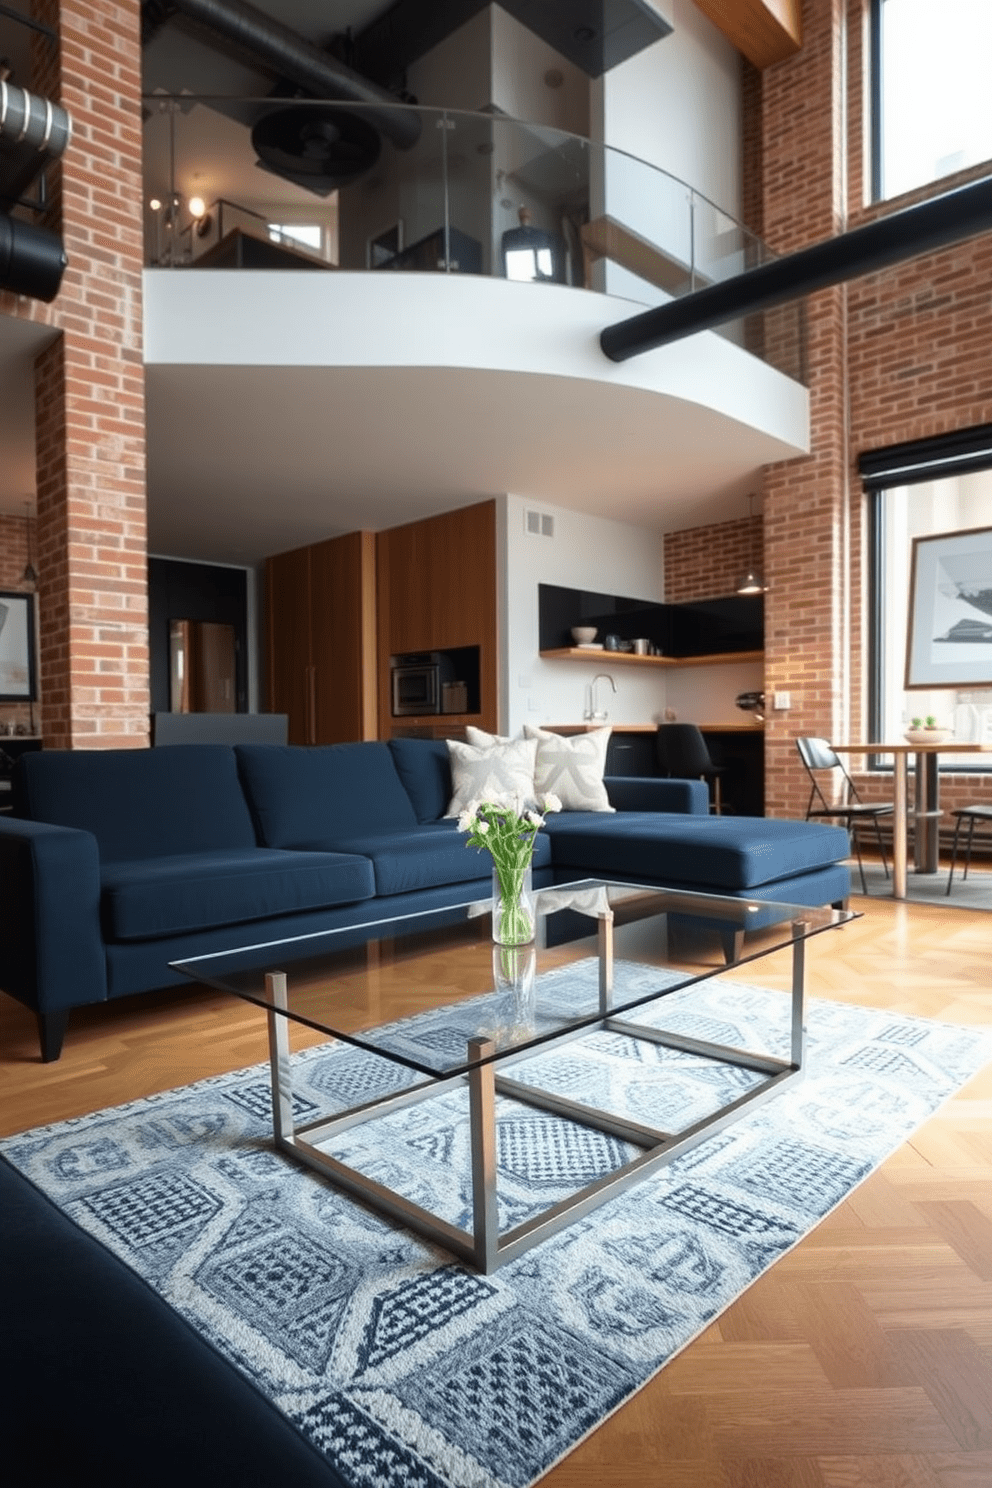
648, 728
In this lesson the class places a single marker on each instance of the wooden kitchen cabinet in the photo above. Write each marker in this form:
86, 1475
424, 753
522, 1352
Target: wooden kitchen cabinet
321, 625
436, 586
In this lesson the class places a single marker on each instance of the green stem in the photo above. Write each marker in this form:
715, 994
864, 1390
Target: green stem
516, 925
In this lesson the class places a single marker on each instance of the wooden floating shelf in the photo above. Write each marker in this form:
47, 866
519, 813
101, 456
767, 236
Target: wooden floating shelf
628, 658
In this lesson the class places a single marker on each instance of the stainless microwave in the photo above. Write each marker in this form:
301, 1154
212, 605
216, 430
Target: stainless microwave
419, 679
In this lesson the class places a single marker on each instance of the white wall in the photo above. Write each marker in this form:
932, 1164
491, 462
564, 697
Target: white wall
585, 553
521, 62
676, 104
705, 694
608, 557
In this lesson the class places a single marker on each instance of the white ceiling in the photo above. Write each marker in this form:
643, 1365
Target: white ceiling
248, 461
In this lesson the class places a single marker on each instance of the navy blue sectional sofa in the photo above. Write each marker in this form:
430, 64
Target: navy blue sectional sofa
117, 862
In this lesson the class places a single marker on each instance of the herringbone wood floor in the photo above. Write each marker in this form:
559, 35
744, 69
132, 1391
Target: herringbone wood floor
862, 1360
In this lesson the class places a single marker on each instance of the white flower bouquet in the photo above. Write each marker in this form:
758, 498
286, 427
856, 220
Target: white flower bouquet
506, 829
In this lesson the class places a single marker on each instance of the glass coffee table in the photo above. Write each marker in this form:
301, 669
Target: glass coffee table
431, 994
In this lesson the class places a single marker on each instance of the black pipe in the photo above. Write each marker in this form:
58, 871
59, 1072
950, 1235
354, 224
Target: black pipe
32, 259
259, 35
915, 230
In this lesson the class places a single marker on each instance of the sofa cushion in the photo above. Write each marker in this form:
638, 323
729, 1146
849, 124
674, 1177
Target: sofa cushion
424, 767
722, 853
140, 803
436, 853
155, 897
493, 772
571, 767
299, 795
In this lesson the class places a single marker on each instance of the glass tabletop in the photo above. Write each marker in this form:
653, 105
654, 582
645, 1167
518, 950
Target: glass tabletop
419, 989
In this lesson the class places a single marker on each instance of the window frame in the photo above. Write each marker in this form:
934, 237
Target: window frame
912, 463
876, 120
877, 132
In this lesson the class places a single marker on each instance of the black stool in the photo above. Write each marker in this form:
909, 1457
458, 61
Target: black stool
682, 752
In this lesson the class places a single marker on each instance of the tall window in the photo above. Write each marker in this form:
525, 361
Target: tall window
936, 486
932, 105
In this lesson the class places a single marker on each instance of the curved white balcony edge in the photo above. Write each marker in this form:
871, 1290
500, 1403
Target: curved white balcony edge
280, 319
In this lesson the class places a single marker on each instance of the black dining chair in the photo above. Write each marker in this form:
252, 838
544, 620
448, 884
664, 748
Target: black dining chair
821, 762
972, 815
683, 753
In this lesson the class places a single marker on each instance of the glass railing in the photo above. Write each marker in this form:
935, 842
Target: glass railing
270, 183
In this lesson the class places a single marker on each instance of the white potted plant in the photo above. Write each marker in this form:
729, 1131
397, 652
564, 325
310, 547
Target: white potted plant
926, 731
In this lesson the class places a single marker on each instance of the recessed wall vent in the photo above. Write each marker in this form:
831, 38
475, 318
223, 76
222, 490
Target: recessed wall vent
539, 524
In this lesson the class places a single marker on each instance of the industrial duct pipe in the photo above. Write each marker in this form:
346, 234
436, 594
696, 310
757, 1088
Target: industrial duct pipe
33, 131
915, 230
27, 119
32, 260
258, 35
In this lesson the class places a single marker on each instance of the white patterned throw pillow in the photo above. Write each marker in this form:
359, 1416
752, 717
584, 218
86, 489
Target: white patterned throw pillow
482, 740
490, 772
571, 767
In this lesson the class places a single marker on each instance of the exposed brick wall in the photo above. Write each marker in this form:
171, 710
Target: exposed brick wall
805, 501
752, 150
92, 561
13, 560
701, 562
894, 356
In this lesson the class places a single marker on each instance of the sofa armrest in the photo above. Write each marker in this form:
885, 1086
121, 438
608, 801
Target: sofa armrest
51, 946
652, 793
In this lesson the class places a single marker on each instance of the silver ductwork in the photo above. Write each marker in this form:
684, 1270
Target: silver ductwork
277, 46
26, 119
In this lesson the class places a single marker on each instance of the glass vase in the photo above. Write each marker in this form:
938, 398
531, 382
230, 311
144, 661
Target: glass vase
514, 981
513, 905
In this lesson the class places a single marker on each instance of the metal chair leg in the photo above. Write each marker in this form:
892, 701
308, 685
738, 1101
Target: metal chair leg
967, 852
881, 846
954, 853
855, 843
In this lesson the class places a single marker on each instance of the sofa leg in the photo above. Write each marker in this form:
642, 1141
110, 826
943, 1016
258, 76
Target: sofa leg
733, 945
51, 1032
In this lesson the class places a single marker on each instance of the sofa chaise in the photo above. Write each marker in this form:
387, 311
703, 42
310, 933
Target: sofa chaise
117, 862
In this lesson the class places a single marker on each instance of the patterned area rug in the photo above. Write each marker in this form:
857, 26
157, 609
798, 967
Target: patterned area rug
409, 1371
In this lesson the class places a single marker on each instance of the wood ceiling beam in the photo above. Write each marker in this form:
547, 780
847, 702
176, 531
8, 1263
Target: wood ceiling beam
765, 31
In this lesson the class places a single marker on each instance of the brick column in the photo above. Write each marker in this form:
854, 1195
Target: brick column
90, 418
806, 501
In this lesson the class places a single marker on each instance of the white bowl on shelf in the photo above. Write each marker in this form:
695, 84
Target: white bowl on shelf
583, 634
928, 735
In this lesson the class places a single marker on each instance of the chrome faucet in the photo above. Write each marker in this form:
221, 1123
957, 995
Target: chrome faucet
593, 712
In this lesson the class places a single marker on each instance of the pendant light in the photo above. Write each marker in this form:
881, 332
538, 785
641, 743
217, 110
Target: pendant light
29, 576
751, 582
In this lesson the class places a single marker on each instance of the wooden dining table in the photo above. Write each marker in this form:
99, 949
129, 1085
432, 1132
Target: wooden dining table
926, 812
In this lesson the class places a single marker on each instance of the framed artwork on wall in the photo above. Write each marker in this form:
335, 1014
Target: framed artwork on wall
949, 637
18, 675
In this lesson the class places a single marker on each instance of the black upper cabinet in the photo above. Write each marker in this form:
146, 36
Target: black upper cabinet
708, 627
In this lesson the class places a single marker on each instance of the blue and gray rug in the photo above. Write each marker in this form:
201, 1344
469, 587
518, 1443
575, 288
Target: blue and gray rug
409, 1371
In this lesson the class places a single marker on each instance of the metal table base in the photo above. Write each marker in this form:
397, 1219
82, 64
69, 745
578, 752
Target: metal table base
483, 1246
